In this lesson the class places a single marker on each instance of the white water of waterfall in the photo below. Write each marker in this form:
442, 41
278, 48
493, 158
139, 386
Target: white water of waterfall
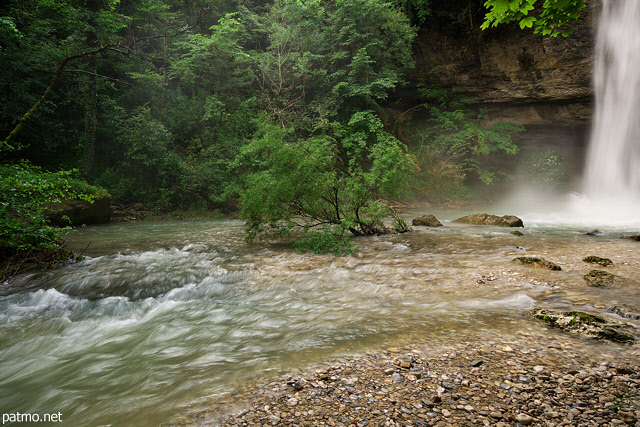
613, 163
610, 195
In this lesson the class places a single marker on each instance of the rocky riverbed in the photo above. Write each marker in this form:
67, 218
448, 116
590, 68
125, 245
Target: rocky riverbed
532, 376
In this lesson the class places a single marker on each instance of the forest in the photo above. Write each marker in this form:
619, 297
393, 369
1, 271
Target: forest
272, 110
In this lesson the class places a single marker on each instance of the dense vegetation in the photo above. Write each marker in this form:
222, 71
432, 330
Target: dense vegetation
272, 107
27, 195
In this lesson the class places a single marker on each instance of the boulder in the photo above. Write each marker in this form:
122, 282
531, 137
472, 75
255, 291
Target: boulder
427, 221
486, 219
635, 237
81, 212
587, 325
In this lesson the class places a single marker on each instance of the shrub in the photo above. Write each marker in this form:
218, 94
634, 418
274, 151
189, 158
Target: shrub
325, 241
26, 196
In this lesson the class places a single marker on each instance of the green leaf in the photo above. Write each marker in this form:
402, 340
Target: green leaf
527, 22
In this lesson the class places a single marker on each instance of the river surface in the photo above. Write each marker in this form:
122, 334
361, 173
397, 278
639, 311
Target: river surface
161, 317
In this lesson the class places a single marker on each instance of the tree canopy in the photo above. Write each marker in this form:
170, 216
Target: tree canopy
551, 18
273, 109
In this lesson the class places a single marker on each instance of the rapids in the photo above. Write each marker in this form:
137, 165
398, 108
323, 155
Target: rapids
161, 317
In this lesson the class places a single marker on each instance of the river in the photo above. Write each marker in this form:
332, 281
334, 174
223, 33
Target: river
162, 317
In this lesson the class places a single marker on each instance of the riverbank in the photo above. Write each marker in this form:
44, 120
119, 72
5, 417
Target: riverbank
537, 376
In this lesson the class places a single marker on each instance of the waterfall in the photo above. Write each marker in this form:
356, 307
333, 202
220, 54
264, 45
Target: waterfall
613, 160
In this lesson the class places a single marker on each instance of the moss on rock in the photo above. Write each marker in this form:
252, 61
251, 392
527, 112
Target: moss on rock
426, 220
585, 324
538, 262
603, 262
599, 278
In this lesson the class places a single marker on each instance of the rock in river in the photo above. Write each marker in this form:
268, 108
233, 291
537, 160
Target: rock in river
587, 325
538, 262
426, 220
599, 278
597, 260
486, 219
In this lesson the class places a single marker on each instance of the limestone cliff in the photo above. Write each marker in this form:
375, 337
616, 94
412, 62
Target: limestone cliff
520, 76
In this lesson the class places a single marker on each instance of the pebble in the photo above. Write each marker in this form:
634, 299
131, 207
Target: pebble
538, 380
524, 419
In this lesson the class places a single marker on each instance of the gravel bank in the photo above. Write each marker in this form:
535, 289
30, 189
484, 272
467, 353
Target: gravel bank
538, 377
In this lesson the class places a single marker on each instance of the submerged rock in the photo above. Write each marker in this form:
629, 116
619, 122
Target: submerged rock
585, 324
591, 232
486, 219
597, 260
599, 278
426, 220
537, 262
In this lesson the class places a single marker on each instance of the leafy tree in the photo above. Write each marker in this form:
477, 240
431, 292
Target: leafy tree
325, 160
460, 134
554, 16
326, 60
340, 182
149, 171
51, 36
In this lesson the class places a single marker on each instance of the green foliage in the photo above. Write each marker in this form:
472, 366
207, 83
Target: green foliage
149, 172
27, 195
544, 169
461, 135
328, 60
325, 241
552, 19
437, 175
297, 184
324, 158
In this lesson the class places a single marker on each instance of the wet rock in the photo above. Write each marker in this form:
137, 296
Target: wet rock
599, 278
538, 262
81, 212
587, 325
517, 233
486, 219
635, 237
603, 262
591, 232
427, 221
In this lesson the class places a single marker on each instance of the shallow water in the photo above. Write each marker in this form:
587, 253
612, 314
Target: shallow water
161, 317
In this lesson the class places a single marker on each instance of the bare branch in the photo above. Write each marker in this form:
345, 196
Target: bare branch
101, 76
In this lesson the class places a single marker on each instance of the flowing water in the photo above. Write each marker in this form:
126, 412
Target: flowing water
613, 171
161, 317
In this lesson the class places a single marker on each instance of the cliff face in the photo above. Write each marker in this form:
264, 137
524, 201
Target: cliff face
518, 75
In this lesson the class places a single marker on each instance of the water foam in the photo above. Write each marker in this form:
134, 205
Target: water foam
613, 164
